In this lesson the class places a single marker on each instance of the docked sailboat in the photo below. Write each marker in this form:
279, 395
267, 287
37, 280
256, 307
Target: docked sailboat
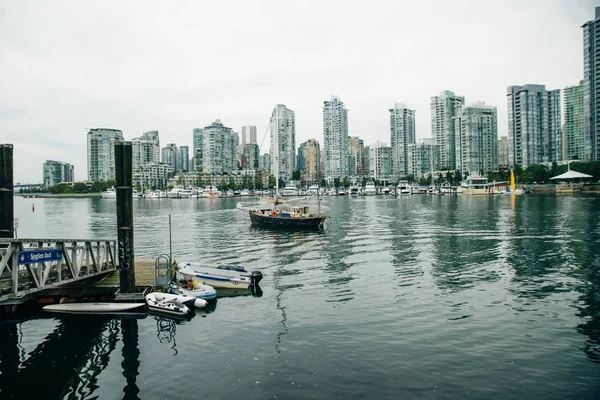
513, 189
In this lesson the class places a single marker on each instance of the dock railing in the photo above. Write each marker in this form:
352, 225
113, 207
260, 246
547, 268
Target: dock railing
28, 266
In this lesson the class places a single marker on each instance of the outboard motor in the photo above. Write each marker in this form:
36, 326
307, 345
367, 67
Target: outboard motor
255, 278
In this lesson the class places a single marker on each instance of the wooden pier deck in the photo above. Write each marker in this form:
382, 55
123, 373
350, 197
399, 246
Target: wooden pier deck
144, 274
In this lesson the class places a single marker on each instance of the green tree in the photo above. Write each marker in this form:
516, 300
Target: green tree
345, 182
364, 181
323, 182
296, 175
449, 177
222, 185
336, 182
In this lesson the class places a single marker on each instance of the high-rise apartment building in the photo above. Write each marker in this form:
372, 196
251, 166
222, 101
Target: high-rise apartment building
380, 160
248, 134
250, 156
264, 162
335, 138
197, 148
534, 133
423, 158
591, 88
55, 172
444, 108
356, 156
576, 145
183, 158
169, 155
402, 134
145, 149
218, 149
101, 153
503, 152
283, 142
309, 159
476, 129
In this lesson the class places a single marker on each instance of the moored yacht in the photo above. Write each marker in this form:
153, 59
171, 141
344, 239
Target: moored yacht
403, 188
354, 190
313, 190
370, 189
289, 191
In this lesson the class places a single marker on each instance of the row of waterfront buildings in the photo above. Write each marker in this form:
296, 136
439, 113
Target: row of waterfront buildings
463, 137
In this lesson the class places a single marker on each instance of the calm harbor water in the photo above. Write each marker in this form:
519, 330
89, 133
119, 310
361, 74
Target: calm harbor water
411, 297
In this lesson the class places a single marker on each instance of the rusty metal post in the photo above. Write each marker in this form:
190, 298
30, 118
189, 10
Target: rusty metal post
7, 206
124, 189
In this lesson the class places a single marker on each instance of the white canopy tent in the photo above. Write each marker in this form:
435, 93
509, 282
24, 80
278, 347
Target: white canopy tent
571, 175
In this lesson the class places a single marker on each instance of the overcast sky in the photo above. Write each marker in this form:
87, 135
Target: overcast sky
67, 66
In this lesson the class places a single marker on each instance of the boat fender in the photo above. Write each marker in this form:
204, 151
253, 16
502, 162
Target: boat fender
274, 213
199, 303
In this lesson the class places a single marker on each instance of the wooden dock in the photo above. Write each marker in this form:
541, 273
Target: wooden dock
144, 274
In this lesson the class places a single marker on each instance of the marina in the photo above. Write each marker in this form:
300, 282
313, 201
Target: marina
432, 281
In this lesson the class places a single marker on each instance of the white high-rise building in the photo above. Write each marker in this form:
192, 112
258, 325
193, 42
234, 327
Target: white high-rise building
534, 132
402, 134
169, 155
380, 162
248, 134
591, 89
145, 149
218, 149
283, 142
335, 138
101, 153
444, 108
476, 129
423, 158
576, 143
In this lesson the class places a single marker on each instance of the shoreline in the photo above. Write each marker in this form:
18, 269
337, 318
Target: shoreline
58, 196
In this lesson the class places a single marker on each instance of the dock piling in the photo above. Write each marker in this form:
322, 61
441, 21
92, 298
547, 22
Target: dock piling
7, 210
124, 189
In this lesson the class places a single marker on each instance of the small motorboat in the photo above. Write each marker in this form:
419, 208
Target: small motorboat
193, 288
92, 308
223, 276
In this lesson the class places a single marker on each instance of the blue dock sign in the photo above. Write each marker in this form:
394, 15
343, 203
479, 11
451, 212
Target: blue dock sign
36, 256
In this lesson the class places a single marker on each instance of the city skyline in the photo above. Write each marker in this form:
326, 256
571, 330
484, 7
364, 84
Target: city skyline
114, 79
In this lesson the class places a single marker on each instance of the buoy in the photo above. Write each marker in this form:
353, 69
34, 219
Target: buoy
32, 207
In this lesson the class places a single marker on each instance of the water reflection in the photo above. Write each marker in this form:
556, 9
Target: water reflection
465, 244
339, 247
61, 361
131, 357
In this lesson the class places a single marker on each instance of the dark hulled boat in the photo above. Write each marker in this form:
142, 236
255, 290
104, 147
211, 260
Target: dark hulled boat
298, 217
